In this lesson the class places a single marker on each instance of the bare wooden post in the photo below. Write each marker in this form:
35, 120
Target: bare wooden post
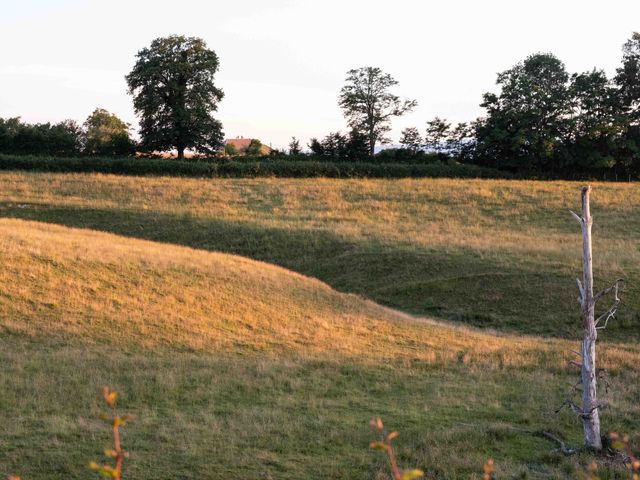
590, 414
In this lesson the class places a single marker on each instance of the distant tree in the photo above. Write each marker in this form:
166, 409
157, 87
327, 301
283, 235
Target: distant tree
627, 80
356, 146
230, 149
106, 134
9, 128
316, 147
174, 95
411, 139
527, 122
66, 138
460, 141
595, 124
435, 137
628, 77
368, 104
60, 139
254, 147
294, 146
334, 145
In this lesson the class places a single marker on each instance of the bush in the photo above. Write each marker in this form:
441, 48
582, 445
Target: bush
249, 167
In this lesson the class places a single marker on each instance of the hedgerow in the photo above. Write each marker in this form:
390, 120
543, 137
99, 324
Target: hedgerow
258, 167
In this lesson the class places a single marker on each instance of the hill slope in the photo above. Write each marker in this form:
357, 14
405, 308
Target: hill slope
493, 254
91, 287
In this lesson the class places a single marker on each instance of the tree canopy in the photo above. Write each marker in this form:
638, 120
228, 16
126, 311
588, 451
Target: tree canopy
174, 95
106, 134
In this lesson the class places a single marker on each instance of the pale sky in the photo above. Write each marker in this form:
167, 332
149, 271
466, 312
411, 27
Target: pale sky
283, 62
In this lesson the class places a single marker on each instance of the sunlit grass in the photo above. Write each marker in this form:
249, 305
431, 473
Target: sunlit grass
495, 254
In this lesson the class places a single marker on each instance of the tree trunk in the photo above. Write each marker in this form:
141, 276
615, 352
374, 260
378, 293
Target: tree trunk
590, 406
180, 153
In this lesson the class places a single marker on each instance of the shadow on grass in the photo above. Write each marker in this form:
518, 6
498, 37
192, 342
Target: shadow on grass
460, 286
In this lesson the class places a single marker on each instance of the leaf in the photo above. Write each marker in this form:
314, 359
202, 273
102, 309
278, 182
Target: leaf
108, 472
109, 452
411, 474
378, 446
376, 424
118, 421
617, 445
109, 396
392, 435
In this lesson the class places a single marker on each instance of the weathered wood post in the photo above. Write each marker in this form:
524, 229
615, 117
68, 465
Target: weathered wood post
590, 414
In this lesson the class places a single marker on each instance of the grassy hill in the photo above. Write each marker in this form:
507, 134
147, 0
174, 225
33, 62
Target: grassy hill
240, 369
488, 253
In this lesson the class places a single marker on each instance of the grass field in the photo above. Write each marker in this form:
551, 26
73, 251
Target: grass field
236, 368
492, 254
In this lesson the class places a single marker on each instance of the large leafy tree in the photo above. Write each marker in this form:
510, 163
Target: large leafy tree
595, 125
628, 77
174, 95
369, 105
106, 134
526, 123
627, 80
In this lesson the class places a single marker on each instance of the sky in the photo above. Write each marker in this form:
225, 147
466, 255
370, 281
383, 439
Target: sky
283, 62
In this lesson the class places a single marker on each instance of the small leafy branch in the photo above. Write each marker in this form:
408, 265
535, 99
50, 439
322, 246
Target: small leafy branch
385, 445
487, 470
621, 442
116, 452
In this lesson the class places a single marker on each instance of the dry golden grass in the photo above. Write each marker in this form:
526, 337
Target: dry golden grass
87, 286
482, 215
491, 253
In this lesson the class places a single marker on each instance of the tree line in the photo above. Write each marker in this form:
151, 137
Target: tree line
102, 134
547, 121
543, 120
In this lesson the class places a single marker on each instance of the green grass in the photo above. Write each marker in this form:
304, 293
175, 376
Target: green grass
215, 416
239, 369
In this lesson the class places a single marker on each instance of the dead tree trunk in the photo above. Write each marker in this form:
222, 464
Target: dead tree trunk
589, 412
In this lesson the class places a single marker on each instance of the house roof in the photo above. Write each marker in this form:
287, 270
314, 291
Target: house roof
239, 143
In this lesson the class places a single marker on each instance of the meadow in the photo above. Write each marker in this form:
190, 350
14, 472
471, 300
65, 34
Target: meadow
254, 326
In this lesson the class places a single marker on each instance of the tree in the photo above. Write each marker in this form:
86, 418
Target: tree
254, 147
316, 147
590, 406
595, 124
628, 77
627, 80
356, 146
60, 139
526, 123
106, 134
334, 145
460, 141
294, 146
437, 132
230, 149
174, 95
368, 105
411, 139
